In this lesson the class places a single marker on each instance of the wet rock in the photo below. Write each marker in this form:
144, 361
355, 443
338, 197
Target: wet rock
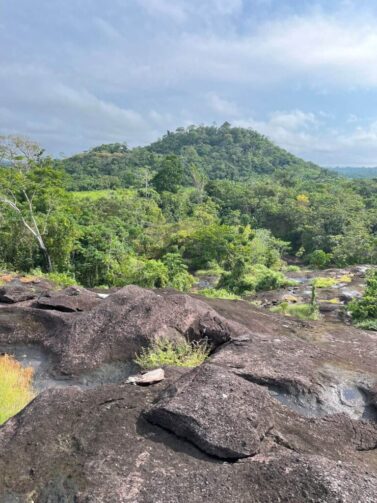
73, 298
347, 295
151, 377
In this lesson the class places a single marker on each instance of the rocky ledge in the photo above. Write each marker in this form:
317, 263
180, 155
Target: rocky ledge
282, 411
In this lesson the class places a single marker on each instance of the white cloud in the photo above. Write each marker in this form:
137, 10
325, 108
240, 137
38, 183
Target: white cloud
176, 9
222, 106
57, 114
309, 136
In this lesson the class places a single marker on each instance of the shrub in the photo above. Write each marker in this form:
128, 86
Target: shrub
300, 311
61, 279
165, 352
178, 276
367, 324
320, 259
246, 279
15, 387
366, 307
219, 293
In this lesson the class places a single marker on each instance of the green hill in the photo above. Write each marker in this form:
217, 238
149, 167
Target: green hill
217, 152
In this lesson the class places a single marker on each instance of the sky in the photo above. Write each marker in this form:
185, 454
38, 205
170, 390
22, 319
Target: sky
79, 73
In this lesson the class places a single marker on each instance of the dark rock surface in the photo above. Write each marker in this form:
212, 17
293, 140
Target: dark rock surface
282, 411
14, 293
22, 289
115, 329
71, 299
95, 446
231, 418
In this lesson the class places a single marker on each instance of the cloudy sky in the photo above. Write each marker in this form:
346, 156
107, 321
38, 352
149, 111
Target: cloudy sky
78, 73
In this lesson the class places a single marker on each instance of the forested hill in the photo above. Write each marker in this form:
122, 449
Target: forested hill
213, 152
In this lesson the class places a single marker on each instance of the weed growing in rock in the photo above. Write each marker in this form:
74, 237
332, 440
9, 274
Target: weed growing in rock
300, 311
218, 293
324, 282
15, 387
165, 352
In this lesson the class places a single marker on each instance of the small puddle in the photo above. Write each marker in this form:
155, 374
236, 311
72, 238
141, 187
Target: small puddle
31, 355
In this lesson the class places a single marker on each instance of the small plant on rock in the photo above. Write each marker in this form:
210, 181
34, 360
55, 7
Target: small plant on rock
178, 354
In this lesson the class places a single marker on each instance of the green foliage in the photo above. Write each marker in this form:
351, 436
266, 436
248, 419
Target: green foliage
292, 268
365, 309
178, 277
247, 279
369, 324
178, 354
170, 175
218, 293
149, 274
300, 311
61, 279
324, 282
320, 259
214, 197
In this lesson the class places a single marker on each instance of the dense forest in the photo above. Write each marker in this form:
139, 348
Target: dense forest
197, 201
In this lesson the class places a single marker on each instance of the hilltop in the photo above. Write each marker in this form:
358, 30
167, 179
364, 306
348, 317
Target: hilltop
225, 152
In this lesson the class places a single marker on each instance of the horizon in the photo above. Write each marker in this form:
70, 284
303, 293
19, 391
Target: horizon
304, 75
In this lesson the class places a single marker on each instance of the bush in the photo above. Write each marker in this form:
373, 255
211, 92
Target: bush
366, 307
300, 311
15, 387
219, 293
165, 352
320, 259
61, 279
178, 276
367, 324
248, 279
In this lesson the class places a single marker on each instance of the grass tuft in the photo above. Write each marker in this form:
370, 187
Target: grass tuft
300, 311
324, 282
15, 387
218, 293
165, 352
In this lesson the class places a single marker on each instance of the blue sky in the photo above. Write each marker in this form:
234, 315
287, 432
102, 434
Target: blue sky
78, 73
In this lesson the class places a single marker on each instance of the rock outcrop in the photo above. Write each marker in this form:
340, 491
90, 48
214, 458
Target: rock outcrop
71, 299
282, 411
115, 329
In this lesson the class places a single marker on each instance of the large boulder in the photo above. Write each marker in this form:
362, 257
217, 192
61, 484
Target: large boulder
231, 418
23, 289
94, 446
220, 413
115, 329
